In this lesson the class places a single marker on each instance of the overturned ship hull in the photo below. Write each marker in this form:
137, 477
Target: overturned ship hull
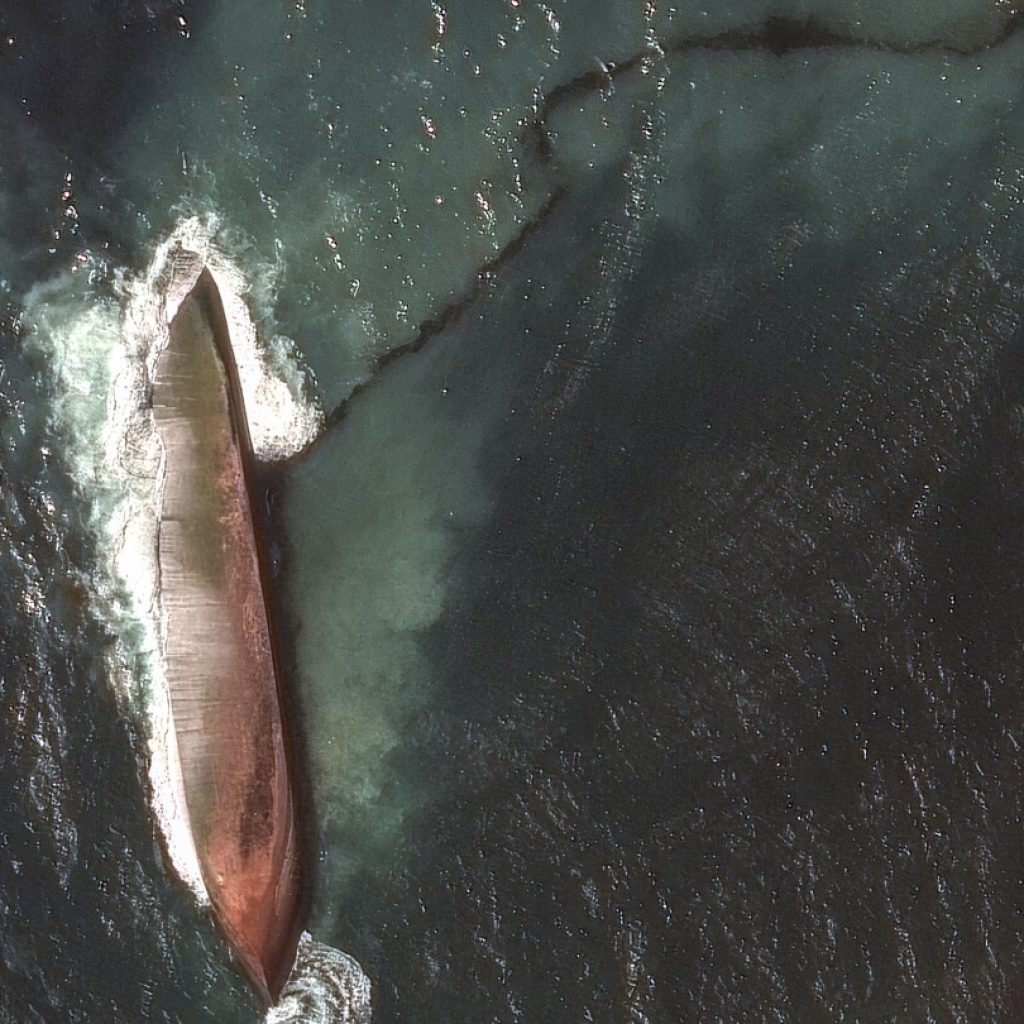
218, 646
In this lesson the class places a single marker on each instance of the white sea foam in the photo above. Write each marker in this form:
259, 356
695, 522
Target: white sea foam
326, 987
101, 351
282, 418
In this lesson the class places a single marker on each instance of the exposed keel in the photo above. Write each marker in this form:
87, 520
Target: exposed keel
218, 646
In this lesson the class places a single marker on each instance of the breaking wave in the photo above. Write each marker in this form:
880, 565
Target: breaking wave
326, 986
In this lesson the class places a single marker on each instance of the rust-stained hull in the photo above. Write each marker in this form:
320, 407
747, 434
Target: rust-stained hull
218, 647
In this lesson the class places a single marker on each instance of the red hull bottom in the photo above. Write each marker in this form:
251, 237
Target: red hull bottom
218, 648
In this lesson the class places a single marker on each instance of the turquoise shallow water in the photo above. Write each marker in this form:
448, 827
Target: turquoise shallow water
654, 593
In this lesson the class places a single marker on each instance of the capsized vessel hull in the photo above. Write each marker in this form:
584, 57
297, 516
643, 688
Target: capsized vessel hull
219, 647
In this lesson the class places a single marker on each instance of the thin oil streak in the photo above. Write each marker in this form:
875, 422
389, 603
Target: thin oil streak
429, 329
778, 36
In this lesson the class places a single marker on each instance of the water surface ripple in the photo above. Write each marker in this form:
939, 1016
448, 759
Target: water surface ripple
655, 587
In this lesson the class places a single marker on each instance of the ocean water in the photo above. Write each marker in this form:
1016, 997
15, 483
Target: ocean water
651, 551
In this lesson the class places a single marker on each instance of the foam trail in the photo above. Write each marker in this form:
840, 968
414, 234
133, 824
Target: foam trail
326, 987
282, 418
100, 351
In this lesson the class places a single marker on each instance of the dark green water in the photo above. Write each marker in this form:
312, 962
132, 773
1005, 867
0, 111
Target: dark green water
655, 592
